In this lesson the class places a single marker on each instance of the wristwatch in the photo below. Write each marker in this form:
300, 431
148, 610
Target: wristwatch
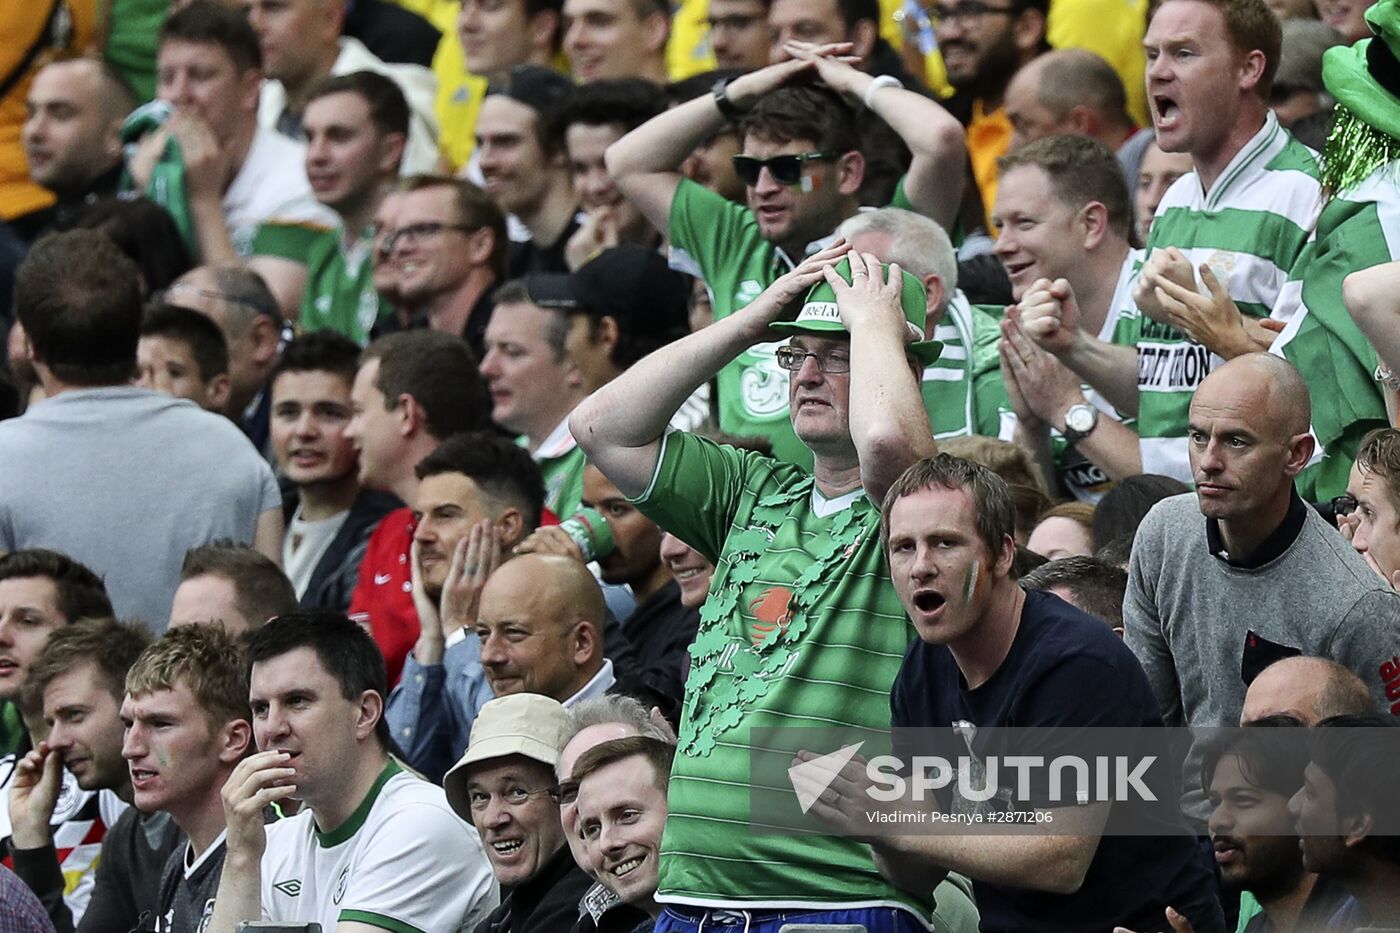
1080, 421
727, 108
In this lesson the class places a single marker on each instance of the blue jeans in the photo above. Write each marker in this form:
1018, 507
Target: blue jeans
681, 919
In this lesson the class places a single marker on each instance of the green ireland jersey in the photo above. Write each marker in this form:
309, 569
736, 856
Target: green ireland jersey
718, 241
802, 627
340, 293
1250, 229
1358, 228
962, 389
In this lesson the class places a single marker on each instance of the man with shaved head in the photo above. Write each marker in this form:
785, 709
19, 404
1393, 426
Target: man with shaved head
1308, 689
1213, 602
541, 628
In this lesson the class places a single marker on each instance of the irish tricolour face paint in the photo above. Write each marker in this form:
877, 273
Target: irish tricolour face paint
970, 584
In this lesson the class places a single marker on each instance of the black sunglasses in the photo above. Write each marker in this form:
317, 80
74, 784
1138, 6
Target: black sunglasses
785, 169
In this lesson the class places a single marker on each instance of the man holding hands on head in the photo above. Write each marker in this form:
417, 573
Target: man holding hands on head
798, 566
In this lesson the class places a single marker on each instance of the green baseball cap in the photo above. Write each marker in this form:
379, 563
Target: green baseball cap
820, 316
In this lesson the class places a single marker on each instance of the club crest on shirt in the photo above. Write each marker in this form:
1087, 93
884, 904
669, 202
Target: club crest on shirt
763, 387
341, 884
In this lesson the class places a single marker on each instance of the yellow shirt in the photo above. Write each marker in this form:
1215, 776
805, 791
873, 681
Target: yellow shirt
1114, 30
988, 136
21, 22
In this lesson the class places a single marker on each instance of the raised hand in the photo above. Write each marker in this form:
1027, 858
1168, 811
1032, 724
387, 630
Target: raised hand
1047, 387
1164, 265
33, 796
474, 559
257, 781
1213, 319
1049, 315
769, 306
871, 297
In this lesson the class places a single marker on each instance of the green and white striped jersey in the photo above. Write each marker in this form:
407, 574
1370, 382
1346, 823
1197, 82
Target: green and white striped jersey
1250, 228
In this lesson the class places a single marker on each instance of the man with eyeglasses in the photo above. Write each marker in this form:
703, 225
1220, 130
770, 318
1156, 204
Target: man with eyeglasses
448, 249
505, 785
983, 46
355, 127
802, 169
801, 590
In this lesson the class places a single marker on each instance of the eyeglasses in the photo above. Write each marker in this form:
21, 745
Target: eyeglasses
965, 12
1344, 504
171, 298
785, 169
513, 797
385, 238
566, 793
792, 358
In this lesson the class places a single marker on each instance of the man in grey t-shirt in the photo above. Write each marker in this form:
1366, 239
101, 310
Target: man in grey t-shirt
121, 478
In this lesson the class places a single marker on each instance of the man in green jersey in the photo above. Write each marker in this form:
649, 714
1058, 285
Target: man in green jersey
802, 168
801, 625
355, 129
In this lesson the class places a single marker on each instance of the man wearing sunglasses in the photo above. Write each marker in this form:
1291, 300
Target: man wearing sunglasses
802, 168
800, 584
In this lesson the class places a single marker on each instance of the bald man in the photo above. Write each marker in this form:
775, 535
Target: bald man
1308, 689
541, 627
1074, 91
1228, 579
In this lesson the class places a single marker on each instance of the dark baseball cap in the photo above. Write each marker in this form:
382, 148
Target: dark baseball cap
631, 284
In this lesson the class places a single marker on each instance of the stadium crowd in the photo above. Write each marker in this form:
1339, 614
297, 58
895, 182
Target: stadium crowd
438, 436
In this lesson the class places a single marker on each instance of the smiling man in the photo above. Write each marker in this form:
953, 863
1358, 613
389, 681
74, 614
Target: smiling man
355, 127
520, 149
1372, 521
505, 785
622, 812
373, 847
1228, 579
448, 251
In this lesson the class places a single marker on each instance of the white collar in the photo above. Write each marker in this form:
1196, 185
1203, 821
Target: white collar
599, 685
822, 507
193, 866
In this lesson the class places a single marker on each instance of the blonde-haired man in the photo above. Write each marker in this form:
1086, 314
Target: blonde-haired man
187, 726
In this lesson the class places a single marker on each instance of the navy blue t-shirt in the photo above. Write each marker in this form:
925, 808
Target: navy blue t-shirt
1065, 668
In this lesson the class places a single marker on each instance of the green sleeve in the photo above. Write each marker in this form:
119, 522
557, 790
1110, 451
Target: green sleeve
695, 491
286, 241
710, 230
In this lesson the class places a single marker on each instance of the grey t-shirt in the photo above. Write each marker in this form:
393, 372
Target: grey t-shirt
127, 480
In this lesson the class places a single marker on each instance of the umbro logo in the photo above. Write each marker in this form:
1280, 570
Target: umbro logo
382, 578
291, 887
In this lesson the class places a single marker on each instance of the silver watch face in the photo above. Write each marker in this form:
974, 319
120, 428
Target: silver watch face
1080, 418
